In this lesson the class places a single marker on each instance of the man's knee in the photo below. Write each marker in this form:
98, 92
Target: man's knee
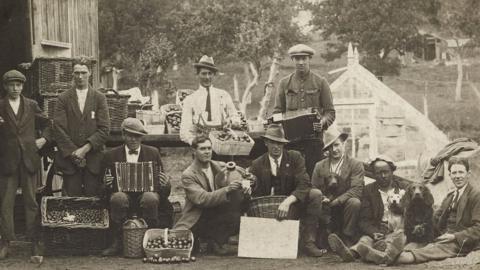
315, 195
353, 204
149, 200
119, 200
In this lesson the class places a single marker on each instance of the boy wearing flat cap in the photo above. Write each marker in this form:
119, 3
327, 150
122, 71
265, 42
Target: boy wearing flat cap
301, 90
20, 120
207, 106
146, 204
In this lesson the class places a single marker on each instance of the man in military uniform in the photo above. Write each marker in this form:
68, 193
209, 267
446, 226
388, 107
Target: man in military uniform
301, 90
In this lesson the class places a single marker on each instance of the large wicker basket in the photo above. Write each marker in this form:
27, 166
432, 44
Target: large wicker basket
267, 207
167, 252
117, 108
74, 212
49, 101
133, 239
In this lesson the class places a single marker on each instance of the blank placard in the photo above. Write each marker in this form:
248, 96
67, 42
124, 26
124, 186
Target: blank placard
268, 238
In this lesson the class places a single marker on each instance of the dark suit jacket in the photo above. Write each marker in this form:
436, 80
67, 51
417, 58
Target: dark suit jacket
72, 129
147, 153
18, 135
293, 175
351, 183
467, 228
198, 194
372, 209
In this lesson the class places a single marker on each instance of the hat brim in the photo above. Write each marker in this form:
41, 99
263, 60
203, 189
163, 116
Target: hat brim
201, 65
301, 54
275, 139
136, 132
22, 80
342, 136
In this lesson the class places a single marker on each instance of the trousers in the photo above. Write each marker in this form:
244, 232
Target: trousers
145, 205
312, 151
82, 183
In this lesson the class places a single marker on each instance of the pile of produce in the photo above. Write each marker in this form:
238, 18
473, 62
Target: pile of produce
171, 242
226, 135
174, 119
175, 259
75, 216
243, 122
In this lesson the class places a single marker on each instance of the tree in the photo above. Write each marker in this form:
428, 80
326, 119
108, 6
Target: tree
378, 27
458, 20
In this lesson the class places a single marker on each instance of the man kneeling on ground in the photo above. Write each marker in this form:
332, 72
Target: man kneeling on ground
210, 211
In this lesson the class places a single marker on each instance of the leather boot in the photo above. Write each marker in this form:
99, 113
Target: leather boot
339, 247
4, 245
116, 247
36, 252
309, 236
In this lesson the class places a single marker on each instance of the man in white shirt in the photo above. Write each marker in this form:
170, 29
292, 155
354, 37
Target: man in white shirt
81, 127
148, 205
208, 107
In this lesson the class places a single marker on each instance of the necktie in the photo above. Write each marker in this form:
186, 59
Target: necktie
208, 107
133, 152
455, 200
277, 166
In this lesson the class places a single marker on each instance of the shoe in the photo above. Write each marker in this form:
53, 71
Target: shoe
113, 250
4, 249
372, 255
337, 246
223, 250
311, 250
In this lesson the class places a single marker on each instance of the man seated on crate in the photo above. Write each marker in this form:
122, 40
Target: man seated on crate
81, 127
344, 197
148, 205
210, 211
20, 119
208, 106
282, 172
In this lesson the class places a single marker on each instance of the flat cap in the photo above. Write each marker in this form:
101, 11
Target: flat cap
134, 126
13, 75
301, 49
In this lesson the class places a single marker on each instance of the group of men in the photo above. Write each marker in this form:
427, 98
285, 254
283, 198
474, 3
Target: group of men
329, 195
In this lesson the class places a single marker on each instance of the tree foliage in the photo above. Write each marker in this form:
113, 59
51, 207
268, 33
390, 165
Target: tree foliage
378, 27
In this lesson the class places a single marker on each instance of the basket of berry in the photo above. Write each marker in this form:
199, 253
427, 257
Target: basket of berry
182, 94
168, 244
231, 142
173, 117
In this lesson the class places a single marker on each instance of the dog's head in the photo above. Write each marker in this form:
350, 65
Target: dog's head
418, 193
394, 198
331, 183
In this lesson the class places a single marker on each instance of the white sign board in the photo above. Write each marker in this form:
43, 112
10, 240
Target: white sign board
268, 238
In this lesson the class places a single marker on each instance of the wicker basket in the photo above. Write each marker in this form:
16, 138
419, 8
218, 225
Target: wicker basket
52, 75
77, 206
231, 147
267, 207
133, 238
68, 242
173, 119
167, 252
49, 101
117, 108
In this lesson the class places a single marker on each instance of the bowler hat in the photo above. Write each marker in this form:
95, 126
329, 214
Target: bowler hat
275, 133
13, 75
133, 126
301, 49
331, 135
206, 62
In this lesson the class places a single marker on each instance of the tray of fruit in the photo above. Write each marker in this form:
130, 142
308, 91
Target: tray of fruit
231, 142
167, 108
173, 120
74, 212
168, 244
182, 94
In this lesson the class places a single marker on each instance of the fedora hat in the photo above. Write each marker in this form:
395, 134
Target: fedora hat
331, 135
133, 126
275, 133
206, 62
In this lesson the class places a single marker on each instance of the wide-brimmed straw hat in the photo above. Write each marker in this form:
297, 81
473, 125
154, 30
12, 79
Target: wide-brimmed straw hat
206, 62
331, 135
275, 133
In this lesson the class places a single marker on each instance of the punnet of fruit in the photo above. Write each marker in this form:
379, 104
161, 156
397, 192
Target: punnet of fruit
74, 212
167, 244
173, 120
231, 142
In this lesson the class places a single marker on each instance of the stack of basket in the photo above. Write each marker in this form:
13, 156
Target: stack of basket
73, 225
117, 108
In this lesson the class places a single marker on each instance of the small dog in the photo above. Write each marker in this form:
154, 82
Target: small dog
330, 193
418, 215
395, 209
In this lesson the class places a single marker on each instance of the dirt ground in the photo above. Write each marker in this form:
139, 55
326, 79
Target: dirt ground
20, 254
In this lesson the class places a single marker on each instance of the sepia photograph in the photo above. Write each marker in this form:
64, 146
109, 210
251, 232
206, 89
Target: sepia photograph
257, 134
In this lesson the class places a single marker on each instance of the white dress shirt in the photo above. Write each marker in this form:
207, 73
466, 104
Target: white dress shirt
82, 97
194, 106
132, 157
209, 173
384, 196
15, 104
273, 165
